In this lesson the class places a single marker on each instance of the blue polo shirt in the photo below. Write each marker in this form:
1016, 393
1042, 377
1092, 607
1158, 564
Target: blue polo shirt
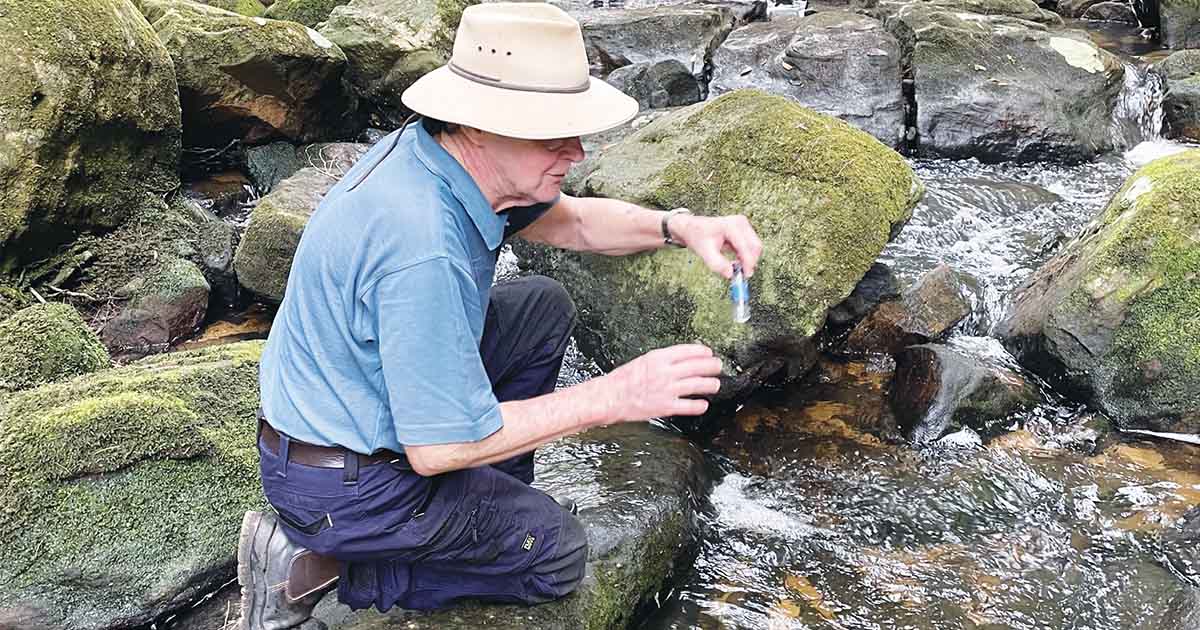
376, 342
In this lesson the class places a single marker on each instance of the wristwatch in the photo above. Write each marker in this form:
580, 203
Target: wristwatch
667, 233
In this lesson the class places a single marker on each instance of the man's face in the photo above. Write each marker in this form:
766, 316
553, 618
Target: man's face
533, 170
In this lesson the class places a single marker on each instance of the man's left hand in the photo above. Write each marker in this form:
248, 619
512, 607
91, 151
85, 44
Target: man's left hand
711, 237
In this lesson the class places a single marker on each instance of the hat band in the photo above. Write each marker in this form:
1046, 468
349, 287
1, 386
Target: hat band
493, 82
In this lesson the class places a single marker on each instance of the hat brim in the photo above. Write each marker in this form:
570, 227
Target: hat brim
444, 95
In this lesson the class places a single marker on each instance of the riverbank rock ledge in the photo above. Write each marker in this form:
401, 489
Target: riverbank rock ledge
824, 197
44, 343
89, 120
1181, 105
252, 79
121, 491
1111, 318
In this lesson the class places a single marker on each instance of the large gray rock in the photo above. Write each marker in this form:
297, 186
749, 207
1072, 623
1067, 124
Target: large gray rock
252, 79
637, 488
657, 84
1179, 25
89, 120
998, 87
1075, 8
1181, 105
1181, 548
687, 33
307, 12
272, 163
1111, 12
824, 197
391, 44
838, 63
1111, 318
928, 311
264, 257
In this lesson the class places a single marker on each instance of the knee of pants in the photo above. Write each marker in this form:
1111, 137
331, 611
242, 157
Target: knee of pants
553, 293
561, 574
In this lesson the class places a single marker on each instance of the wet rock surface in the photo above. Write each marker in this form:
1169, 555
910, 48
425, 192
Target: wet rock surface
785, 167
89, 120
1181, 105
1179, 23
879, 284
1104, 319
842, 64
1002, 81
161, 307
929, 310
1181, 546
251, 79
657, 84
939, 388
1111, 12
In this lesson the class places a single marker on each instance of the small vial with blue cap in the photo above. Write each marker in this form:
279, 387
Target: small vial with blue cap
739, 293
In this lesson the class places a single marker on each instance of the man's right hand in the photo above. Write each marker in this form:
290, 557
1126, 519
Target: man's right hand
658, 383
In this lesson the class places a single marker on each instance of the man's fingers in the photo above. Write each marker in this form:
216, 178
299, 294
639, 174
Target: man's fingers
685, 352
699, 386
689, 407
698, 366
745, 242
714, 260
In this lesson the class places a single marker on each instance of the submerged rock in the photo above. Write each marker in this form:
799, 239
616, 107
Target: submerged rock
153, 465
1181, 548
657, 84
1181, 105
838, 63
940, 388
307, 12
991, 83
89, 120
686, 33
252, 79
390, 44
264, 257
928, 311
1111, 318
45, 343
824, 197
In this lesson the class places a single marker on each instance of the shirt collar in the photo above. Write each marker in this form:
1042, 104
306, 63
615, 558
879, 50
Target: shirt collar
489, 222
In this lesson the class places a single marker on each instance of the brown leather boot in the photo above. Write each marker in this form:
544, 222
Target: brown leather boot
281, 581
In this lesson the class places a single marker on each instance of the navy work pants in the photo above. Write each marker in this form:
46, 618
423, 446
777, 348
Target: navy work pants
481, 533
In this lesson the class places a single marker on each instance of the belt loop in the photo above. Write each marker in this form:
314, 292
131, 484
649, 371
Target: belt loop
350, 468
284, 443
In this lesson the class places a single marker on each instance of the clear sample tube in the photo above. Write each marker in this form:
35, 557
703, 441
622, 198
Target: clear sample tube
739, 292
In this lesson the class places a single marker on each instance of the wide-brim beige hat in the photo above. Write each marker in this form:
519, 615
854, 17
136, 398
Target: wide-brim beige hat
519, 69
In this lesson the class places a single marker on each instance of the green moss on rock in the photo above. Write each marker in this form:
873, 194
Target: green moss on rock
44, 343
824, 197
248, 8
307, 12
89, 119
121, 491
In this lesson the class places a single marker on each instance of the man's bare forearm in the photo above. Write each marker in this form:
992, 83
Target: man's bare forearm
527, 424
602, 226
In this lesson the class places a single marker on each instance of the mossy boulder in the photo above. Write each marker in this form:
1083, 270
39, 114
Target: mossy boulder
264, 257
252, 79
45, 343
121, 491
391, 44
637, 488
824, 197
89, 120
12, 300
1114, 319
1002, 87
248, 8
161, 307
1181, 105
307, 12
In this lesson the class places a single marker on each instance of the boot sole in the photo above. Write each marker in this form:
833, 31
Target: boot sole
250, 524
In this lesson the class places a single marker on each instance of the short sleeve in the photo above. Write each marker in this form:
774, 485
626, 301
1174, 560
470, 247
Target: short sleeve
438, 390
519, 218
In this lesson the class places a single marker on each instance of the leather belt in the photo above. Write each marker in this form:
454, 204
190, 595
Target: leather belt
322, 456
